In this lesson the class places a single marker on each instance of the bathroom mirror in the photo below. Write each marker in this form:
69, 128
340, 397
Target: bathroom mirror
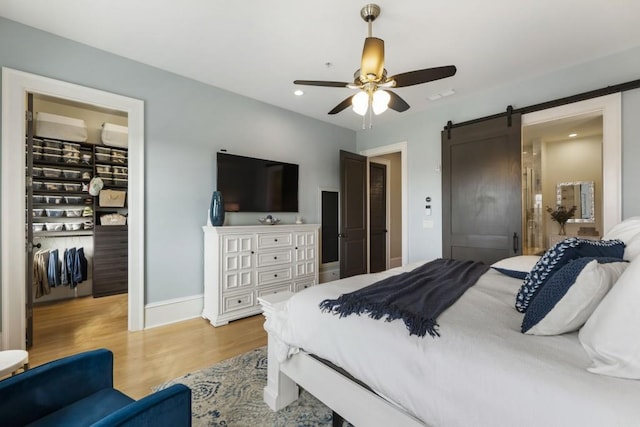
581, 195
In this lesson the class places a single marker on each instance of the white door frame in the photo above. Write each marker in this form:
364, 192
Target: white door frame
399, 147
15, 86
610, 106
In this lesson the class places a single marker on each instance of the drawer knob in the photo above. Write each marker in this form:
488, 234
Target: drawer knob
275, 257
275, 275
252, 252
239, 301
275, 240
296, 248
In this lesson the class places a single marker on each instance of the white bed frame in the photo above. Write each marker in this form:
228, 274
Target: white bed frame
350, 400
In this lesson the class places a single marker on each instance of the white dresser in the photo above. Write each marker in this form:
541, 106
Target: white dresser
243, 263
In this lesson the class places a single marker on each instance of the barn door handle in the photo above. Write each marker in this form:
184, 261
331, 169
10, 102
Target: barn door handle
515, 242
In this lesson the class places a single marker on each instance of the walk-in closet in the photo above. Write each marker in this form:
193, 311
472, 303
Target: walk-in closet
76, 202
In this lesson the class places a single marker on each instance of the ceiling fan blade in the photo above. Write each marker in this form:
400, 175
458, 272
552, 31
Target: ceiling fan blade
397, 103
423, 76
344, 104
320, 83
372, 65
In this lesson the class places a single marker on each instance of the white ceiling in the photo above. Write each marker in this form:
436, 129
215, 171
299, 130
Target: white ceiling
258, 48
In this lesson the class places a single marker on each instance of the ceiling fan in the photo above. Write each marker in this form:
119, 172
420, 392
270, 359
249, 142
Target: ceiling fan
371, 79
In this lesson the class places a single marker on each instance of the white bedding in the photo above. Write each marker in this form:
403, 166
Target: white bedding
481, 371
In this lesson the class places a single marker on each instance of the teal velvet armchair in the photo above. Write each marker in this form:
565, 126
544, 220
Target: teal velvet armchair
78, 391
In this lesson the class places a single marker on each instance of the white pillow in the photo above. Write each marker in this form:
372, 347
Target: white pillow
625, 230
571, 295
517, 266
611, 336
632, 248
629, 232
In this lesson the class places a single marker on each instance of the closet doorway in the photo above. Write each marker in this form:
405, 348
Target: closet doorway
15, 86
394, 242
355, 210
73, 253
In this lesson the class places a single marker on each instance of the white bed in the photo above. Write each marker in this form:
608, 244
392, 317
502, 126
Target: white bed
481, 371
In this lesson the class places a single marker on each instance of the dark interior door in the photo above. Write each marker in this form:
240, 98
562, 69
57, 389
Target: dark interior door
353, 215
29, 220
481, 189
377, 217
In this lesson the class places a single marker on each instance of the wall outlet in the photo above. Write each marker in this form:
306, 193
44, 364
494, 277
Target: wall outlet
427, 223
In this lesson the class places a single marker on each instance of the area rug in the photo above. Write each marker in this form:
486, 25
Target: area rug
229, 394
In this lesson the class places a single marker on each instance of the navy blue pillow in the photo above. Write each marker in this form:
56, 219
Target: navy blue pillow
559, 255
512, 273
556, 289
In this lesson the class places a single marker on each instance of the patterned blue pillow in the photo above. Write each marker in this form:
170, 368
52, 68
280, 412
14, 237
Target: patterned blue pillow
571, 295
559, 255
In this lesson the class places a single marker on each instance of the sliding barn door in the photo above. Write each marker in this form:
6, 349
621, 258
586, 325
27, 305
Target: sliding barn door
353, 214
481, 190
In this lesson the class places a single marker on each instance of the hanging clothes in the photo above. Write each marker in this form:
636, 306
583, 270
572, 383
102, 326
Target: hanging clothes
64, 271
69, 262
50, 270
80, 266
53, 270
40, 273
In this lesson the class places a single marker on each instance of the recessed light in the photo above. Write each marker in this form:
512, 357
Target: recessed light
298, 92
573, 135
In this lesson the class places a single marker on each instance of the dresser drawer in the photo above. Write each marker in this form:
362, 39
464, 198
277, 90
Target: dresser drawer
266, 277
298, 286
274, 240
237, 302
110, 253
266, 259
273, 290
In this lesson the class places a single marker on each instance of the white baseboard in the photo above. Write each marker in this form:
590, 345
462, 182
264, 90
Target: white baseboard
172, 311
395, 262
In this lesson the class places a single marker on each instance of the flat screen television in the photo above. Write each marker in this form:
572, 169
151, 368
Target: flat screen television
257, 185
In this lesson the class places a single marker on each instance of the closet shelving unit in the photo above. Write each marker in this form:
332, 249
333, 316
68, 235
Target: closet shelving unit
110, 265
62, 191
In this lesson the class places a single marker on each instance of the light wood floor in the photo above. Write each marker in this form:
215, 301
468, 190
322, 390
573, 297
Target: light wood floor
142, 359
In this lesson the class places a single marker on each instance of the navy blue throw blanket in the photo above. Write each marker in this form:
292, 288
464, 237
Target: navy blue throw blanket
417, 297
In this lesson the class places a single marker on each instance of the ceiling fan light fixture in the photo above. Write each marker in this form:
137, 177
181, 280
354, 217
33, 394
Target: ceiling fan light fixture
371, 78
380, 101
372, 66
360, 103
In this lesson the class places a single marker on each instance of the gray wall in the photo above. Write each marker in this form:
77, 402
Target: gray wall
422, 133
186, 122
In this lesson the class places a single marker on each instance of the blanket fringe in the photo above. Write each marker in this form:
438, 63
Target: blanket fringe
347, 306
